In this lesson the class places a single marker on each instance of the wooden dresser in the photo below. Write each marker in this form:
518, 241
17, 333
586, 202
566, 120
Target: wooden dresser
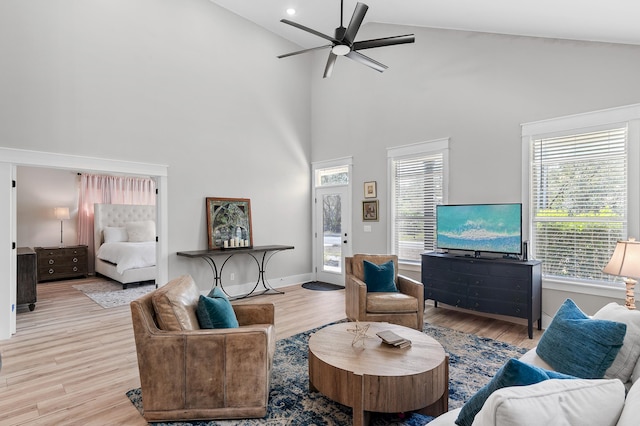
55, 263
495, 286
26, 277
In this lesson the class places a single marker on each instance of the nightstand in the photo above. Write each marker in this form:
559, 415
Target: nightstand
55, 263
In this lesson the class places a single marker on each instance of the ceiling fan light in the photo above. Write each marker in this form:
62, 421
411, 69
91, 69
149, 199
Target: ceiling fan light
340, 49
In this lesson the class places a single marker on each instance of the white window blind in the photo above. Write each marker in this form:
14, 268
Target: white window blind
417, 189
579, 201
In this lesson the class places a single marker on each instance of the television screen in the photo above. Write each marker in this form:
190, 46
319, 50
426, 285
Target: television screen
495, 228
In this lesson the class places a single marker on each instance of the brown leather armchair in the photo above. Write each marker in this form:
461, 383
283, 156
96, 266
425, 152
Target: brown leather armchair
404, 308
188, 373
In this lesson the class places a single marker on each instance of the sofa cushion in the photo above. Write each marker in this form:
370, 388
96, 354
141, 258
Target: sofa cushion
555, 402
629, 354
631, 411
635, 376
513, 373
175, 304
215, 311
379, 278
391, 302
578, 345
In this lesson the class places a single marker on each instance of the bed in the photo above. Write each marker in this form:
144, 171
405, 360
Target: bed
125, 243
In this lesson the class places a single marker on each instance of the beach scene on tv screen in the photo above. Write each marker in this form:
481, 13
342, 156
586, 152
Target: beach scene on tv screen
487, 227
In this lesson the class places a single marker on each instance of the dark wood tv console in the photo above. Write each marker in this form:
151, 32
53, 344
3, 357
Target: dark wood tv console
496, 286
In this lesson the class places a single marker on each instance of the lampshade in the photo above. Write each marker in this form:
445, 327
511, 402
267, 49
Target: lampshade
625, 261
61, 213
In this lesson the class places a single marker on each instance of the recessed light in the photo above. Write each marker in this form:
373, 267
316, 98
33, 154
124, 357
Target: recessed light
291, 11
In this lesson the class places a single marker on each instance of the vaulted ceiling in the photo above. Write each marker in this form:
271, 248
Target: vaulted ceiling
614, 21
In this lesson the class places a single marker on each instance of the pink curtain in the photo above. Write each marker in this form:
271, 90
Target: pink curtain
108, 190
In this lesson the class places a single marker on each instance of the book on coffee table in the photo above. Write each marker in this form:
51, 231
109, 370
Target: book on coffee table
391, 338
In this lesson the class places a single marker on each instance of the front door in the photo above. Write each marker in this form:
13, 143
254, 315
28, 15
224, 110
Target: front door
333, 234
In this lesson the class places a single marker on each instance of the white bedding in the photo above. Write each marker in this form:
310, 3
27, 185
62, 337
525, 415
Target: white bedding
129, 255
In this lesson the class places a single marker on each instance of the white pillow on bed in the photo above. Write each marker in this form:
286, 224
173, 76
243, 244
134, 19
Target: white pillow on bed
144, 230
115, 234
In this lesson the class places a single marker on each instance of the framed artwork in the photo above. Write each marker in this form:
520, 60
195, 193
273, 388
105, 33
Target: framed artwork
370, 211
229, 223
370, 190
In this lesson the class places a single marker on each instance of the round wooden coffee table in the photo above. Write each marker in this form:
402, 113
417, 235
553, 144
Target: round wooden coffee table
379, 377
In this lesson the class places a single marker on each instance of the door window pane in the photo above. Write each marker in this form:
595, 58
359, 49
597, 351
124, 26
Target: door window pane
332, 233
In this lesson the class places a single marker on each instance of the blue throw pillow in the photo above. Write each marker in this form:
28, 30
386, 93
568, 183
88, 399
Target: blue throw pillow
380, 278
578, 345
513, 373
215, 311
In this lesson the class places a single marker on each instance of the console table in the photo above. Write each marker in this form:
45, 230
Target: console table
496, 286
267, 252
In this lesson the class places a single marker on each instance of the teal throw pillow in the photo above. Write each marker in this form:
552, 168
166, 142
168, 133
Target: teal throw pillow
513, 373
578, 345
380, 278
215, 311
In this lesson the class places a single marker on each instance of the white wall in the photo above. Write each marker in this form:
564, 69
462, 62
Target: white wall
178, 82
39, 191
475, 88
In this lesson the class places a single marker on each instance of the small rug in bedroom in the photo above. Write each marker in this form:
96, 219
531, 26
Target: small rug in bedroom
321, 286
110, 294
473, 361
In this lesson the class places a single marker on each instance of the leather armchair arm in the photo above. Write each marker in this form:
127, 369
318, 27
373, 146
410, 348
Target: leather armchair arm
410, 286
413, 288
259, 313
356, 297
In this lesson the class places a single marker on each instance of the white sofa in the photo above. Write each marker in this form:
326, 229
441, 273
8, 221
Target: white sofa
597, 402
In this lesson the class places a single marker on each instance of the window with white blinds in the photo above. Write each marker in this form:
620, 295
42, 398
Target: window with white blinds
579, 201
417, 187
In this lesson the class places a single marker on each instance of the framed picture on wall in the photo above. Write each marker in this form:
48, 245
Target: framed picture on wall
228, 223
370, 211
370, 190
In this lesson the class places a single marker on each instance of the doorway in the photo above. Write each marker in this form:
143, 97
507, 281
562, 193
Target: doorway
332, 222
11, 158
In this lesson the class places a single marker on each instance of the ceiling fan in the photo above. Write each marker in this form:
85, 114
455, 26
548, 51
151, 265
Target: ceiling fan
344, 44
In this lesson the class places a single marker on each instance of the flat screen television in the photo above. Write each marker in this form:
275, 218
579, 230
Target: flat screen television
491, 228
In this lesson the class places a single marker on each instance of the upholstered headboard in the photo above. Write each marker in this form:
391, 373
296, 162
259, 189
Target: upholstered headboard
117, 215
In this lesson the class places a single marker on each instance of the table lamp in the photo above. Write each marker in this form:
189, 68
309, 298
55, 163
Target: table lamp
61, 213
625, 262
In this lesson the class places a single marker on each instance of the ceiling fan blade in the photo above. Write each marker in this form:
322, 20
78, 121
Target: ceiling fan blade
365, 60
356, 21
330, 62
304, 51
309, 30
386, 41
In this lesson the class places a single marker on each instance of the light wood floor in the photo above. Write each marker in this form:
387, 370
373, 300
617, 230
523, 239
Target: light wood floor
71, 361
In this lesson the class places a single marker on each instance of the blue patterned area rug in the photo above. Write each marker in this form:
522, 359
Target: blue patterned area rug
473, 361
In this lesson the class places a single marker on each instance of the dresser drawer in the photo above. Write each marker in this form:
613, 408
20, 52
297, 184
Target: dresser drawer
499, 307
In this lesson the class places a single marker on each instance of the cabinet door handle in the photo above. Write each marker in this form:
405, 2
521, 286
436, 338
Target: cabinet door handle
51, 271
75, 269
51, 261
75, 260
